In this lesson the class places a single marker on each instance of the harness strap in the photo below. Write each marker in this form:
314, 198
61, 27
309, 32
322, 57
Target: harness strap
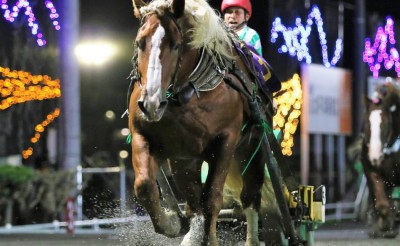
394, 148
208, 73
256, 117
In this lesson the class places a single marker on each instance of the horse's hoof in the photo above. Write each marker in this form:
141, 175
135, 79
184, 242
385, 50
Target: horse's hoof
195, 235
172, 226
390, 234
252, 243
376, 233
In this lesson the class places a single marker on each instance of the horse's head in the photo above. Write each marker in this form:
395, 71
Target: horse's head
159, 47
378, 129
388, 93
169, 43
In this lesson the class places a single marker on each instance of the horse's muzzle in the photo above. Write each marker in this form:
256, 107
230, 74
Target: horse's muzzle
151, 112
376, 162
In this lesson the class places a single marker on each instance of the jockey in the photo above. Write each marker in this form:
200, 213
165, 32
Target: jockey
236, 15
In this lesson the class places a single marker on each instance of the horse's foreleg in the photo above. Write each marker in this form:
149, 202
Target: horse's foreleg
187, 176
252, 227
212, 197
253, 179
166, 223
147, 192
212, 203
385, 223
377, 187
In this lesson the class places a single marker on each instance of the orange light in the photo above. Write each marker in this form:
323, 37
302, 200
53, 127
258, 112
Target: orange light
20, 86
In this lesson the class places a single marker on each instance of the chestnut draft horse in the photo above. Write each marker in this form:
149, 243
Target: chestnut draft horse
381, 157
190, 103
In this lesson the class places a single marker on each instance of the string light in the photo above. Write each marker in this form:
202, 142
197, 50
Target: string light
296, 38
383, 50
10, 13
53, 14
39, 129
288, 112
20, 86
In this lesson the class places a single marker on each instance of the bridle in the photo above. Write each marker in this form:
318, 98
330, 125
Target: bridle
172, 86
135, 76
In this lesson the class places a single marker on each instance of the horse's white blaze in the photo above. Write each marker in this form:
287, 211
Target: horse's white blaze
375, 144
154, 69
252, 226
196, 232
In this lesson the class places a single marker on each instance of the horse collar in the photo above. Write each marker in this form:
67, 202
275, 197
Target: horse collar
206, 76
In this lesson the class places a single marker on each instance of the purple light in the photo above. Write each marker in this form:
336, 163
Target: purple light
296, 38
33, 25
378, 53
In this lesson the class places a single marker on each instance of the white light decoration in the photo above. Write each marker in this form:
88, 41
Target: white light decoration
10, 13
296, 38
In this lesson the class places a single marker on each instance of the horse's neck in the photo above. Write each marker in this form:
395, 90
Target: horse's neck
396, 122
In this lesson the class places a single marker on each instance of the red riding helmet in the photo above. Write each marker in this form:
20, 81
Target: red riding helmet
245, 4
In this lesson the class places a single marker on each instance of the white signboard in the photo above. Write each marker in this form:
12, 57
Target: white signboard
327, 99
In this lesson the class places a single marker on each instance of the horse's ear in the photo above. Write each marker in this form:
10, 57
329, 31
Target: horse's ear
136, 11
177, 8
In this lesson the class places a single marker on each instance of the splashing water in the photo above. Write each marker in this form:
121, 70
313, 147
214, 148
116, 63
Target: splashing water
140, 231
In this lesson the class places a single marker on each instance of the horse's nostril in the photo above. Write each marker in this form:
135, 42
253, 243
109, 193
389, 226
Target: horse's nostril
161, 108
163, 104
375, 162
141, 106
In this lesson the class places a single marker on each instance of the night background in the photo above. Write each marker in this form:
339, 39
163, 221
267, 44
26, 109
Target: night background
104, 88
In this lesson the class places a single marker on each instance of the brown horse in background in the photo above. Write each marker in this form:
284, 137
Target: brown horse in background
190, 104
380, 156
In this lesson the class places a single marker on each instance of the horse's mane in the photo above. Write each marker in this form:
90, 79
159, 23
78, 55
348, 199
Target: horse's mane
205, 27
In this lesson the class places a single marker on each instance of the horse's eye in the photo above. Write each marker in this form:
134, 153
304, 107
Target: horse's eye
177, 46
383, 90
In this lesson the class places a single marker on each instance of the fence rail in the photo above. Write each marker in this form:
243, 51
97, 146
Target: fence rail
60, 226
341, 210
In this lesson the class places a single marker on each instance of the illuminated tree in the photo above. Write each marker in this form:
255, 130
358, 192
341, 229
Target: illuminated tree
20, 51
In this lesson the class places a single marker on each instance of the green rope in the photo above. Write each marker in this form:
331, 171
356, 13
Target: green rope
243, 127
268, 130
129, 139
266, 126
254, 153
169, 94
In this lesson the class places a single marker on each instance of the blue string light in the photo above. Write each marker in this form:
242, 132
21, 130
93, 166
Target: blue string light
296, 38
10, 13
